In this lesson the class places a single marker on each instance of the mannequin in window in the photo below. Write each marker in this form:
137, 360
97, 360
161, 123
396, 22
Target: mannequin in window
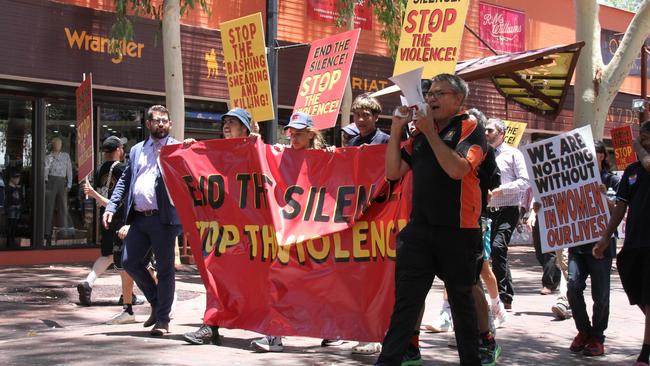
58, 181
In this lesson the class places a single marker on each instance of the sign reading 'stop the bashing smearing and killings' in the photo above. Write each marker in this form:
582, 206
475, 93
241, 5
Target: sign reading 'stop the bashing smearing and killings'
246, 67
325, 77
565, 179
431, 36
84, 96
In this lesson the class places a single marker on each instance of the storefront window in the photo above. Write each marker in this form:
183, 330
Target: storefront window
65, 220
15, 173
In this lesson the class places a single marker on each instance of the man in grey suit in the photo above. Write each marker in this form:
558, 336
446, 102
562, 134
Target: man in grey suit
152, 217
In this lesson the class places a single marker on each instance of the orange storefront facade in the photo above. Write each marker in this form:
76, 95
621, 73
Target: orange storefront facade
48, 53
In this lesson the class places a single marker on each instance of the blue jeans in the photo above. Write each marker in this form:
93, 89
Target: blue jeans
582, 265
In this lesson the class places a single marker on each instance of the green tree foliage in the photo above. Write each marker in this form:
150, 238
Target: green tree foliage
123, 26
390, 14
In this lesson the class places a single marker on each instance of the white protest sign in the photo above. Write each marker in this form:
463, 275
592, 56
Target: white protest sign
565, 180
410, 85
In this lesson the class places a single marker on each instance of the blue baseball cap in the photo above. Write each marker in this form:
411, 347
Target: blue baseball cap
351, 130
300, 121
242, 115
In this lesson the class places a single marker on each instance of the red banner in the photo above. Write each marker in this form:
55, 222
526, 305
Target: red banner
325, 76
290, 242
623, 151
85, 149
502, 28
327, 11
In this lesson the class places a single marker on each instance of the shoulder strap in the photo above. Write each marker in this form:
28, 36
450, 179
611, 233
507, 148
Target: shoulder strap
110, 174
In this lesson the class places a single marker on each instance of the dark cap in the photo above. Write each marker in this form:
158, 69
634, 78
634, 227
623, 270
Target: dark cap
112, 143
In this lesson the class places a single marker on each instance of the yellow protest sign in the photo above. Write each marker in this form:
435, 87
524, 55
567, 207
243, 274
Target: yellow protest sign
246, 67
514, 132
431, 36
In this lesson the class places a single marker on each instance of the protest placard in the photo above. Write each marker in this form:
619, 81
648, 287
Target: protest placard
431, 36
565, 179
247, 70
514, 132
84, 101
623, 151
325, 76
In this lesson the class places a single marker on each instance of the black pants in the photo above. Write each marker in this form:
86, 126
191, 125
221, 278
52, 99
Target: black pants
551, 274
424, 252
504, 222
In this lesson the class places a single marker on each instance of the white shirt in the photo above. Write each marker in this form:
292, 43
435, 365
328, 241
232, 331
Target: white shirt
144, 191
514, 176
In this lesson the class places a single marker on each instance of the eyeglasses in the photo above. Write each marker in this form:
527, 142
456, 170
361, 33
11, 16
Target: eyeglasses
159, 120
437, 94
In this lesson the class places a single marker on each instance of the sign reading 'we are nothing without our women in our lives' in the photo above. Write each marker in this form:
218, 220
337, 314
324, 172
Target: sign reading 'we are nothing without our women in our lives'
566, 181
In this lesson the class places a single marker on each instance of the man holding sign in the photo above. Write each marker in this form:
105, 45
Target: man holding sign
444, 156
633, 260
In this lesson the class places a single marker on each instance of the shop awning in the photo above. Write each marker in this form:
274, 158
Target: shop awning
538, 80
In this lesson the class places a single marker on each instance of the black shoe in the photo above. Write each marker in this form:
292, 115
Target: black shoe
204, 335
152, 318
160, 329
84, 293
135, 300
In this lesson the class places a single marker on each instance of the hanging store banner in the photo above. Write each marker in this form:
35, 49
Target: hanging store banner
84, 96
290, 242
566, 181
430, 37
514, 132
326, 74
622, 140
246, 67
502, 28
327, 11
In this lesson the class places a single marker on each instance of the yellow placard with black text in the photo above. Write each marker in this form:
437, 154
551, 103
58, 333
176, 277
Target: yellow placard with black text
431, 36
514, 132
246, 66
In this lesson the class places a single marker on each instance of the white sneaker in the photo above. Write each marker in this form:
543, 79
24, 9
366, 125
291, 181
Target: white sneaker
499, 315
442, 324
268, 344
122, 318
561, 309
366, 348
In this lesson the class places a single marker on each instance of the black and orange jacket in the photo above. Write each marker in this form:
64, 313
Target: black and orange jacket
439, 200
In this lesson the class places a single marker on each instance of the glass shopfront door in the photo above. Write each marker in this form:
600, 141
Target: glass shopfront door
16, 168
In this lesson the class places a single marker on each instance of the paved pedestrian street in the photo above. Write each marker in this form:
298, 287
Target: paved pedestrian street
42, 324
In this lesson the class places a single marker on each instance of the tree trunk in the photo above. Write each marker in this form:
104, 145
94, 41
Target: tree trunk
596, 84
173, 63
